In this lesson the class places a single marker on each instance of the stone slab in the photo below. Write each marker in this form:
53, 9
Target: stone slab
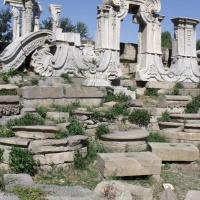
34, 135
175, 151
9, 99
129, 164
82, 92
160, 85
19, 142
6, 196
178, 98
13, 180
193, 195
41, 92
127, 135
57, 115
191, 92
164, 125
8, 87
185, 116
38, 128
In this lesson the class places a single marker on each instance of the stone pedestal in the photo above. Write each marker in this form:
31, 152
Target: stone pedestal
184, 67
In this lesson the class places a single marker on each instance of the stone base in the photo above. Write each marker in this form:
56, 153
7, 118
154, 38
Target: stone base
129, 164
175, 151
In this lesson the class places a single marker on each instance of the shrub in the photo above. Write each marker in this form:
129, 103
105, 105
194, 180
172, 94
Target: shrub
75, 128
101, 130
42, 111
151, 92
21, 161
8, 92
156, 137
121, 97
26, 120
79, 161
28, 193
176, 88
1, 155
165, 117
193, 106
140, 117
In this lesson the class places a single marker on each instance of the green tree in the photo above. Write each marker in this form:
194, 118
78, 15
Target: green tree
67, 26
166, 39
5, 25
198, 44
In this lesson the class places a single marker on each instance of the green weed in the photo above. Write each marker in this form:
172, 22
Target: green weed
101, 130
151, 92
165, 117
156, 137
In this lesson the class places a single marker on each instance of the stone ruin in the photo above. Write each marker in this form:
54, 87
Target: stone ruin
54, 52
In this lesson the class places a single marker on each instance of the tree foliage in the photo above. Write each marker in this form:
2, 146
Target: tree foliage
5, 26
198, 44
68, 26
166, 39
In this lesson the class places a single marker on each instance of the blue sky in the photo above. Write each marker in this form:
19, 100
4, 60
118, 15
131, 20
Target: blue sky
85, 10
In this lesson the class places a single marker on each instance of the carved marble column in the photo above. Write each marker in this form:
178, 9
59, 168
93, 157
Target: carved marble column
184, 67
37, 10
150, 66
23, 23
16, 23
55, 11
28, 18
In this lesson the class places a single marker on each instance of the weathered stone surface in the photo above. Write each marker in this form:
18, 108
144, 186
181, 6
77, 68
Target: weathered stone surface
38, 128
63, 126
168, 194
110, 104
9, 99
19, 142
175, 151
8, 87
127, 135
164, 125
135, 103
41, 92
160, 85
192, 195
27, 110
124, 146
113, 190
128, 83
34, 135
185, 116
82, 112
6, 196
82, 117
57, 115
129, 164
178, 98
82, 92
139, 192
13, 180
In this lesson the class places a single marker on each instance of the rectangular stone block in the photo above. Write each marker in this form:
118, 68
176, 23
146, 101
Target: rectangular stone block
175, 151
11, 99
129, 164
41, 92
193, 195
82, 92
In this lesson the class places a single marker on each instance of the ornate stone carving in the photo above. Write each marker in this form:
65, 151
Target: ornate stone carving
55, 11
14, 54
9, 110
184, 66
37, 10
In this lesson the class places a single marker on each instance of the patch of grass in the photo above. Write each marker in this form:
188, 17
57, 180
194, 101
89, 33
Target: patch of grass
42, 111
193, 106
5, 78
8, 92
28, 193
79, 161
34, 82
140, 117
176, 88
156, 137
6, 132
66, 77
75, 128
151, 92
165, 117
101, 130
68, 108
121, 97
1, 155
61, 134
26, 120
21, 161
